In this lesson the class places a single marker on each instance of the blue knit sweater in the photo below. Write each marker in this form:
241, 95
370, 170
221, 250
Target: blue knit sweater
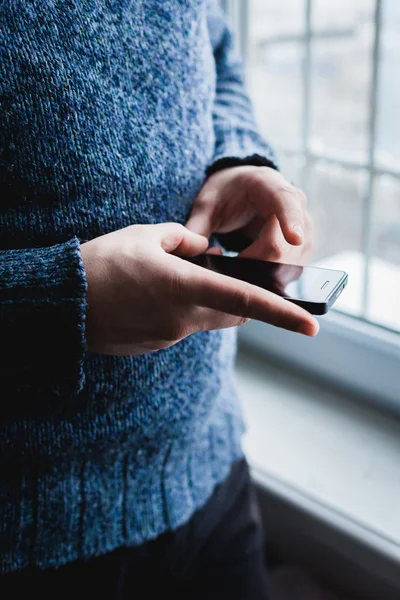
111, 113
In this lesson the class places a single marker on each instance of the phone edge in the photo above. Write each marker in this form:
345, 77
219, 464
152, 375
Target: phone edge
334, 294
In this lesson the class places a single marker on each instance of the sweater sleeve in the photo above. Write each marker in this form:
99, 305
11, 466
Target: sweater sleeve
42, 321
237, 138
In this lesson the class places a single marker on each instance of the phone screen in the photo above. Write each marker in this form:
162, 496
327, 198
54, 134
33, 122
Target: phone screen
308, 284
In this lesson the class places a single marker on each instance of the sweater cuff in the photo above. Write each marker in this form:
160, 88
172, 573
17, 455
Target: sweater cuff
42, 319
237, 147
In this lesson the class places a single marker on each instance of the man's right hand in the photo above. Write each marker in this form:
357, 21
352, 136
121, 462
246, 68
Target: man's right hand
142, 297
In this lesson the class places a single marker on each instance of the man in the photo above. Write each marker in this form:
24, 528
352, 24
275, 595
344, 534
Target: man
122, 472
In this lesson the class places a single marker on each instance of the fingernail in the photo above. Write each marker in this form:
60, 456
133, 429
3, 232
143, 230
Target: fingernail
298, 230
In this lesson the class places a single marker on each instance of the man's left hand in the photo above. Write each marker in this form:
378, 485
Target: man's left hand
259, 202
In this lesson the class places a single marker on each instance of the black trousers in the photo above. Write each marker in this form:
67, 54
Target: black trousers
218, 554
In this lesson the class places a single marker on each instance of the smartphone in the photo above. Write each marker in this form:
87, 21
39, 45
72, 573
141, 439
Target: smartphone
313, 288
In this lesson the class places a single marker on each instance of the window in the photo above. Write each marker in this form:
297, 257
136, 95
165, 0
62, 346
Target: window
323, 79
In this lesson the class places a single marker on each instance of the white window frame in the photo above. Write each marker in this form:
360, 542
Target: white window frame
354, 356
348, 352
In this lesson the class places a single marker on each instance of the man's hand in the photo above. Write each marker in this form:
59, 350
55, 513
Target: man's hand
263, 205
143, 297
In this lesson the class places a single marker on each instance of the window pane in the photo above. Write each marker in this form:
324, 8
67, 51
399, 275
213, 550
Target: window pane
341, 69
340, 109
384, 279
336, 203
274, 68
388, 134
274, 79
341, 15
270, 18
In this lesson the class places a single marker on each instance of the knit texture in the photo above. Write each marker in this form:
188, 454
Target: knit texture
111, 113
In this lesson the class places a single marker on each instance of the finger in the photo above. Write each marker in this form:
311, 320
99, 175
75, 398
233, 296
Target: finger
219, 292
200, 223
289, 209
215, 250
308, 243
207, 319
286, 201
177, 239
201, 218
269, 244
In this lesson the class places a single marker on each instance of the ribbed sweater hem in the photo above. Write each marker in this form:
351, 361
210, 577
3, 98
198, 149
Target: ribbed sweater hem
87, 506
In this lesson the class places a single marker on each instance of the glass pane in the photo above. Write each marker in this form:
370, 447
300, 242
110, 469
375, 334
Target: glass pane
387, 152
274, 68
270, 18
336, 203
341, 69
341, 15
274, 82
384, 280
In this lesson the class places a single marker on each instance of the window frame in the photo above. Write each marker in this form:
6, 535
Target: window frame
349, 352
357, 357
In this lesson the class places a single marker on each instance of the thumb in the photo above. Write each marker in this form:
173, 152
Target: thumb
178, 240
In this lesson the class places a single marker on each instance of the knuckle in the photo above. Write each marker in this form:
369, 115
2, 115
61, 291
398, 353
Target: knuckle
233, 321
177, 285
286, 188
241, 303
175, 330
300, 194
229, 322
289, 192
275, 251
303, 198
285, 196
207, 197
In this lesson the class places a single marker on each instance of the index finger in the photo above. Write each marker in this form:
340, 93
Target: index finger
226, 294
288, 204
